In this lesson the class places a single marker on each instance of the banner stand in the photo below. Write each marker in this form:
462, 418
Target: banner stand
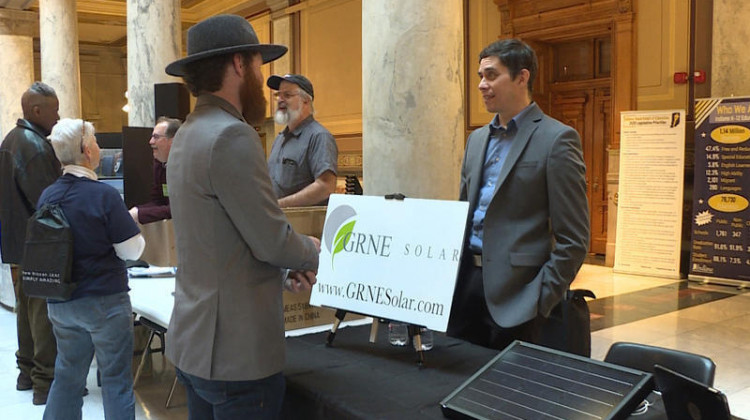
720, 223
415, 331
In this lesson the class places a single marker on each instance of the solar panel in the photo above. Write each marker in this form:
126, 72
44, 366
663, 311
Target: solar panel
526, 381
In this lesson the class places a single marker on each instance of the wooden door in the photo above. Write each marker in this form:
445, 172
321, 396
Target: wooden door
588, 111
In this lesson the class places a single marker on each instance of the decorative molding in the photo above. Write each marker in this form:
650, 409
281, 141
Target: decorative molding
19, 22
103, 7
16, 4
350, 161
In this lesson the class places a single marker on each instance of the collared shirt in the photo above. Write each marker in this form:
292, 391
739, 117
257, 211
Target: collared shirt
299, 157
497, 150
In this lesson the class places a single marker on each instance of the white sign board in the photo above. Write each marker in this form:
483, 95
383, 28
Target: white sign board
650, 201
391, 259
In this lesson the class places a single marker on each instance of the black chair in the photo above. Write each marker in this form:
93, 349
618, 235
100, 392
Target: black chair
643, 357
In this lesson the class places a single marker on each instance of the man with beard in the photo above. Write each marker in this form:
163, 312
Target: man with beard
303, 158
227, 329
27, 166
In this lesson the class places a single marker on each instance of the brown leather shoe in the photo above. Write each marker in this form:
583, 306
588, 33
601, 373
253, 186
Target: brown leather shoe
23, 383
40, 397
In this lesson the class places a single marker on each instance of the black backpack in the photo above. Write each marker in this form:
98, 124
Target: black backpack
47, 269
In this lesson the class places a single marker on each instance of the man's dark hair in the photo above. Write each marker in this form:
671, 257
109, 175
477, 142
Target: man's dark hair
516, 55
207, 75
172, 125
43, 89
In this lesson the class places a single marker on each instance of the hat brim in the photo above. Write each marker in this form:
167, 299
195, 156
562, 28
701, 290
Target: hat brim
274, 82
268, 52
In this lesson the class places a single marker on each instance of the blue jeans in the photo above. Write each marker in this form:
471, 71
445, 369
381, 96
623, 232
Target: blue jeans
225, 400
92, 324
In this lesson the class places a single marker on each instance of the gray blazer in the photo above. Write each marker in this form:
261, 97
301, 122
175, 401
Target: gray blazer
536, 229
232, 239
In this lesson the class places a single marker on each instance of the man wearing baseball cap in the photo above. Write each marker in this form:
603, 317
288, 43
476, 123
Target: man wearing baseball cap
226, 333
303, 157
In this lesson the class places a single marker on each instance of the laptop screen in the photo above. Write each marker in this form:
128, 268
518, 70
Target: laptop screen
687, 399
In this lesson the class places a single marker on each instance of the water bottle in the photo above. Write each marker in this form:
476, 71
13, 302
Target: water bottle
398, 333
426, 339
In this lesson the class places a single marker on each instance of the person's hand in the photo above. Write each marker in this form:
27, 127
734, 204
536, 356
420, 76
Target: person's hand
297, 281
316, 241
134, 214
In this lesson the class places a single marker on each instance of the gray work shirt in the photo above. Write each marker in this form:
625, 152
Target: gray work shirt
300, 156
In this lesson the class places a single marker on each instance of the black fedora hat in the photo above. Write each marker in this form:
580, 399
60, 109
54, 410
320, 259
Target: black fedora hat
222, 34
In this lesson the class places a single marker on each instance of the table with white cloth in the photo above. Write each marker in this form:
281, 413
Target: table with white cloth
152, 299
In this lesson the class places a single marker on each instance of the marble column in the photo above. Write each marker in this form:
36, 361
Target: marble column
729, 58
154, 40
58, 35
412, 100
17, 70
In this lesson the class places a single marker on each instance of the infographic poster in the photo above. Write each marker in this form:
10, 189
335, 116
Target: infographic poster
649, 211
720, 248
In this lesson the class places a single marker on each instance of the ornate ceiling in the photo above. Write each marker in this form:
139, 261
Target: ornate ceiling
103, 22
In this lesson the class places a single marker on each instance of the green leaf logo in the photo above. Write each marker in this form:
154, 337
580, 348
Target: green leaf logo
336, 231
342, 238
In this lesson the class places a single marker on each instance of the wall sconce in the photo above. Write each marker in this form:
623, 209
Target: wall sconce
681, 77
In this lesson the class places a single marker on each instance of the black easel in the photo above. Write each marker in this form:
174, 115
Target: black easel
415, 331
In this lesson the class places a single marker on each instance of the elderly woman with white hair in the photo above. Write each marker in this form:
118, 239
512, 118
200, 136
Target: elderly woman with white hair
97, 319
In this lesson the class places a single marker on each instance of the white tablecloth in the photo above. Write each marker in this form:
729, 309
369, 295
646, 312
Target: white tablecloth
153, 298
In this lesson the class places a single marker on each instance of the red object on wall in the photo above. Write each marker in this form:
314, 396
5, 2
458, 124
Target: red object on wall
699, 76
680, 77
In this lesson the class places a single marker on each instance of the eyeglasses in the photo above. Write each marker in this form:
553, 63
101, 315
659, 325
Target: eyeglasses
158, 136
83, 132
285, 95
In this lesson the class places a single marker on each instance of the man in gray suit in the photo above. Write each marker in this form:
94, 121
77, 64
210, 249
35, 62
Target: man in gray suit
528, 226
226, 334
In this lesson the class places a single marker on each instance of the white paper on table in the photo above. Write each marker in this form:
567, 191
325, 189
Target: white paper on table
153, 271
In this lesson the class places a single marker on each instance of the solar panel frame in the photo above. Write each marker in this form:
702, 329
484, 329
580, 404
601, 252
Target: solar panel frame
529, 381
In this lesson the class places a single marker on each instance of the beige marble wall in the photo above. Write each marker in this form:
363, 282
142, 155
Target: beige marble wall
730, 58
412, 100
58, 35
16, 74
154, 40
17, 71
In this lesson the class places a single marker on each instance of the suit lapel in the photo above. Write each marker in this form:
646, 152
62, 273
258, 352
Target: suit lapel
477, 167
526, 127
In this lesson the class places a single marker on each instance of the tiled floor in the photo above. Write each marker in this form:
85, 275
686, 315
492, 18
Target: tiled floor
705, 319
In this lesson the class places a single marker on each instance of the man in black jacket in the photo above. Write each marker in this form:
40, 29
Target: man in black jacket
27, 166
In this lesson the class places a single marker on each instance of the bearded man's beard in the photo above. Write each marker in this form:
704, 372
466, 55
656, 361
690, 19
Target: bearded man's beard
281, 117
253, 101
286, 116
